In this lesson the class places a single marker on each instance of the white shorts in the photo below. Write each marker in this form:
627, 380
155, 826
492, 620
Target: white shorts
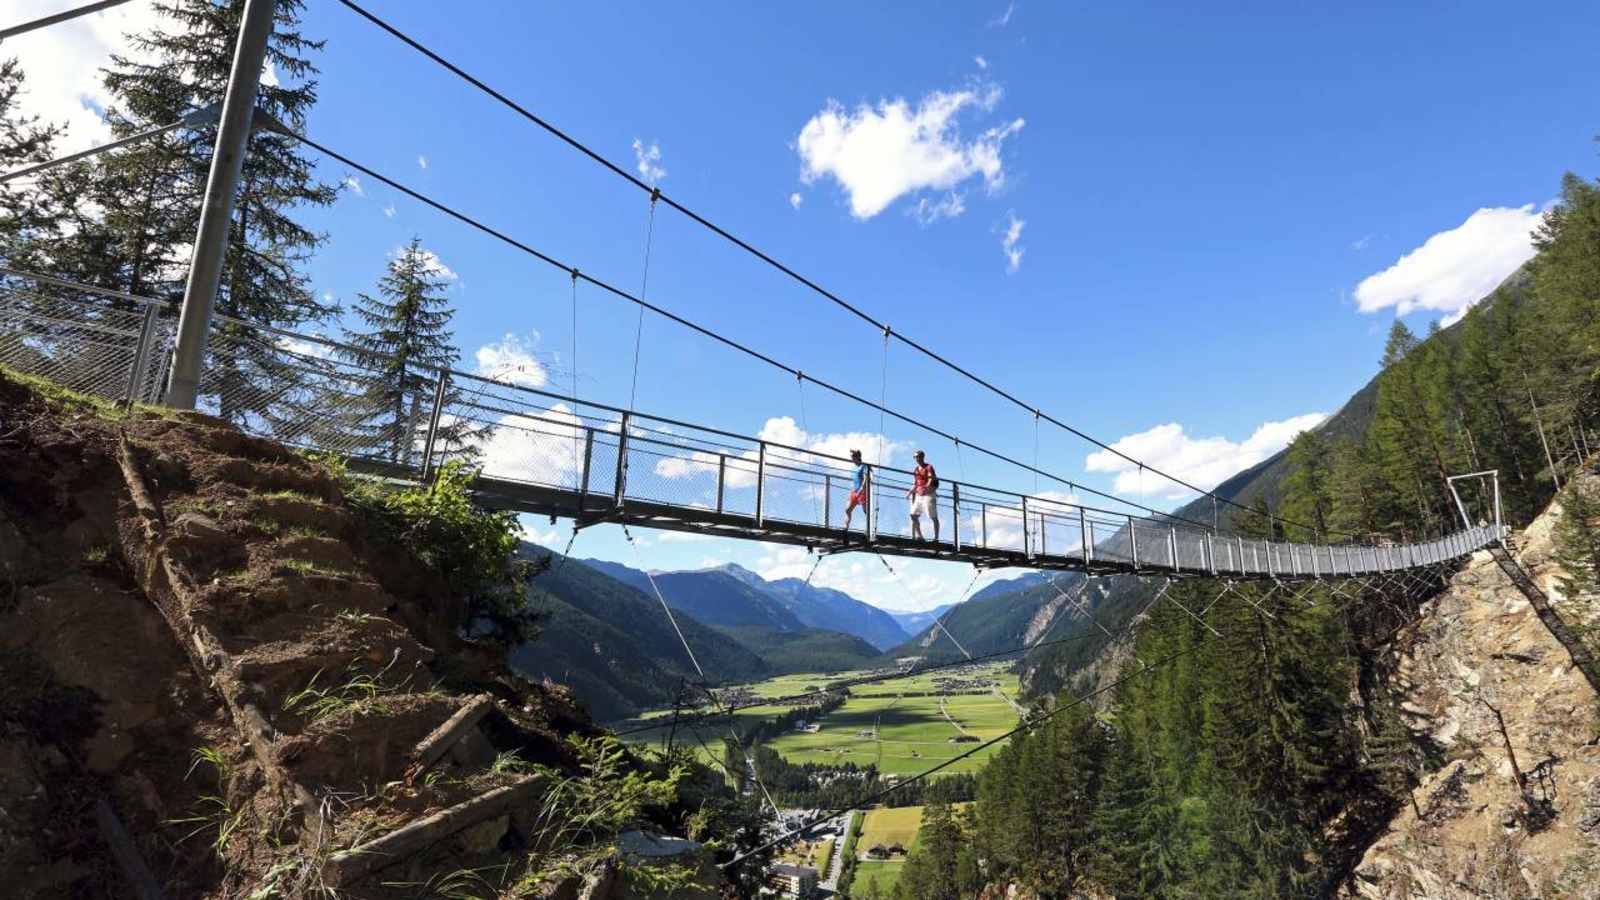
923, 504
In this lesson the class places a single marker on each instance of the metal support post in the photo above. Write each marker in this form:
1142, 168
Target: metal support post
588, 458
827, 500
1133, 540
761, 482
1172, 548
872, 498
211, 238
1027, 547
722, 478
955, 515
622, 461
1211, 553
983, 523
141, 356
441, 385
1083, 535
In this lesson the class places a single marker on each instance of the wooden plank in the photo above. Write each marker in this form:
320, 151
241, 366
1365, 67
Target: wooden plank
348, 866
439, 741
127, 856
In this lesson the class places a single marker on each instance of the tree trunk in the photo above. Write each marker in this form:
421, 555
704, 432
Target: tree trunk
1581, 657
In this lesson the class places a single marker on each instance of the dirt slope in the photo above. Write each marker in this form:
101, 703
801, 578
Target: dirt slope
1480, 642
213, 685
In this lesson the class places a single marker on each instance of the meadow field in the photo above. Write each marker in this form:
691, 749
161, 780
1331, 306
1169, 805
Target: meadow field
902, 727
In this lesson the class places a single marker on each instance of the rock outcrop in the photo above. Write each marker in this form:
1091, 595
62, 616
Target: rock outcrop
1478, 656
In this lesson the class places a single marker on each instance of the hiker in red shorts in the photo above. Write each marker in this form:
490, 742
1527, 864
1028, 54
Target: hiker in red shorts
858, 494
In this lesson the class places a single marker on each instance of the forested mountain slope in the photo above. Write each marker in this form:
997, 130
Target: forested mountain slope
614, 646
1002, 620
1262, 752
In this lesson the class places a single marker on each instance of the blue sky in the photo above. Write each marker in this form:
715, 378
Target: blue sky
1185, 230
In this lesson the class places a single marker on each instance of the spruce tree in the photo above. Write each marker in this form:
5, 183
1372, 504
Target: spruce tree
30, 214
151, 193
406, 340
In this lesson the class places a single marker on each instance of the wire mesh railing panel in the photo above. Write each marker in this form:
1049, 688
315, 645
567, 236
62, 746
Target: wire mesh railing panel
84, 345
1110, 540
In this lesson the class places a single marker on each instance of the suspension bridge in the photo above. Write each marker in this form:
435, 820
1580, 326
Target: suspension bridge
546, 453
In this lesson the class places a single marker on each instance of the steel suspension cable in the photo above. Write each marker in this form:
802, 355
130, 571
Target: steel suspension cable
709, 692
644, 286
620, 293
1024, 726
57, 18
781, 267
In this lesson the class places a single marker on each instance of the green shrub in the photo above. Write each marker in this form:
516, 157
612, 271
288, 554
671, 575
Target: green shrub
471, 548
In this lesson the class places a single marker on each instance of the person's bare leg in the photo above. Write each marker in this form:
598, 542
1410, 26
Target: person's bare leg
916, 527
934, 515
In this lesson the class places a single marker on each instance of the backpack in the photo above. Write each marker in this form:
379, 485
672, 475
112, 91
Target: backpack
933, 479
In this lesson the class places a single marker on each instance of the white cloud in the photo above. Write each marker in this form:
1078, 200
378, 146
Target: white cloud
1004, 18
269, 74
62, 64
353, 185
740, 469
513, 359
1361, 243
431, 263
543, 447
1205, 462
647, 160
952, 204
422, 161
795, 199
1009, 243
1454, 269
880, 153
683, 537
388, 211
308, 348
982, 63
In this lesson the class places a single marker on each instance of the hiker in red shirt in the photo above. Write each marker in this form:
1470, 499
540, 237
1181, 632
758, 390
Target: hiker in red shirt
924, 497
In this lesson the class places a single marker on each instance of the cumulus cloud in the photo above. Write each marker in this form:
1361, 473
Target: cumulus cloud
422, 161
740, 469
513, 359
982, 63
431, 263
62, 64
543, 447
949, 206
353, 185
647, 161
1456, 268
879, 153
795, 200
684, 537
1010, 243
388, 211
1202, 461
1004, 18
1361, 243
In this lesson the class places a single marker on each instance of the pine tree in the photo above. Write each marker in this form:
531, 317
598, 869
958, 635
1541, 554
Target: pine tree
1308, 490
151, 193
406, 340
30, 214
1578, 539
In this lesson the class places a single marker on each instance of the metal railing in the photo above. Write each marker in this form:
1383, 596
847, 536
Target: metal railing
310, 392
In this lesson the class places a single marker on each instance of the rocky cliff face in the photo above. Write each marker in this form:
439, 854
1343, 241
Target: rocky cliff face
1473, 831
